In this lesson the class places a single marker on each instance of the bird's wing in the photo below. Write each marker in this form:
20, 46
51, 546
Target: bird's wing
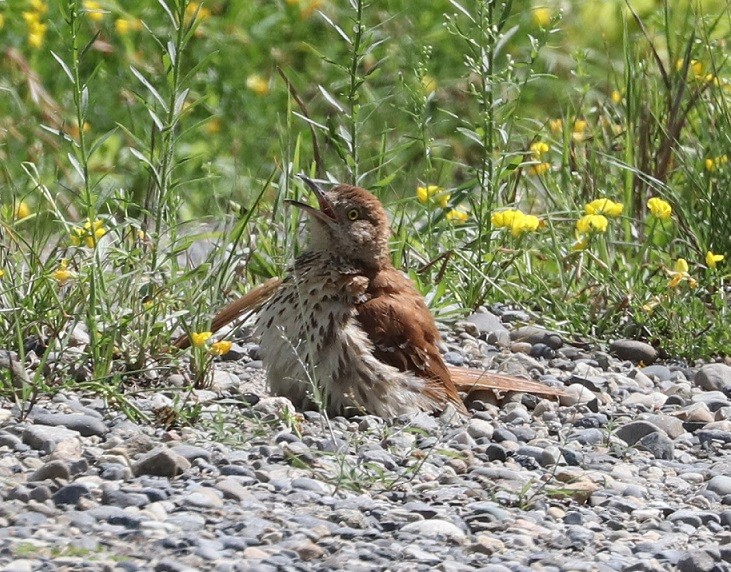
249, 301
404, 335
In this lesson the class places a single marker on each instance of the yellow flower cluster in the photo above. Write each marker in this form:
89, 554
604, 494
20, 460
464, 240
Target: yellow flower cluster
124, 26
680, 273
199, 339
660, 208
89, 234
715, 163
541, 16
22, 210
713, 259
432, 193
62, 274
516, 220
195, 8
538, 150
457, 215
592, 223
93, 10
604, 207
257, 84
33, 20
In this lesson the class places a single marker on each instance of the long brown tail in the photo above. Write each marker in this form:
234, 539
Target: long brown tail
249, 301
467, 380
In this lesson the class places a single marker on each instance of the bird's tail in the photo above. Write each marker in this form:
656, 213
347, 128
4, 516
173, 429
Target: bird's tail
249, 301
468, 380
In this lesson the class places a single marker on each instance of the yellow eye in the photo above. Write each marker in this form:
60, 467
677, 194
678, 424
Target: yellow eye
353, 214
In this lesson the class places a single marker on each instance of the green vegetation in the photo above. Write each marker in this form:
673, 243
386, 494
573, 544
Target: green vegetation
574, 162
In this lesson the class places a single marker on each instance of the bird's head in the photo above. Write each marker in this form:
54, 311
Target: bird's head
350, 223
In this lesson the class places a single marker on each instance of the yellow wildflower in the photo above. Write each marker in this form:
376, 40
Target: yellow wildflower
2, 273
714, 163
540, 168
22, 210
606, 207
541, 16
124, 25
195, 8
713, 259
36, 29
504, 219
523, 224
592, 223
199, 339
679, 273
429, 84
220, 348
62, 274
539, 149
433, 193
516, 220
39, 6
660, 208
257, 84
90, 234
556, 125
616, 97
457, 215
93, 10
579, 130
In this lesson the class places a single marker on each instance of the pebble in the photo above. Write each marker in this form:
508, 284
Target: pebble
713, 377
634, 351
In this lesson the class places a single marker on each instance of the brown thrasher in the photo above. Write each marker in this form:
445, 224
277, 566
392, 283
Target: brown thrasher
347, 330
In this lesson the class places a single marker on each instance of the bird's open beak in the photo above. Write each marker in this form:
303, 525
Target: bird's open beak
326, 212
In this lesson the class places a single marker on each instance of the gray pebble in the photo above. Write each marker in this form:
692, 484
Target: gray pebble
658, 444
636, 430
713, 377
71, 494
634, 351
85, 425
161, 462
536, 335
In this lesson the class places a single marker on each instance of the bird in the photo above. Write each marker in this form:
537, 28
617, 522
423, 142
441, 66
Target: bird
345, 331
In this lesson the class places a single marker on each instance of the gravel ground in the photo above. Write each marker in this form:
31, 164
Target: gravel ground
631, 471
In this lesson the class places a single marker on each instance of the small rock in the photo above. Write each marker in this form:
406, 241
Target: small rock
634, 351
435, 528
51, 470
224, 381
713, 377
86, 425
535, 335
161, 462
46, 438
490, 326
658, 444
576, 394
636, 430
479, 428
720, 484
71, 494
